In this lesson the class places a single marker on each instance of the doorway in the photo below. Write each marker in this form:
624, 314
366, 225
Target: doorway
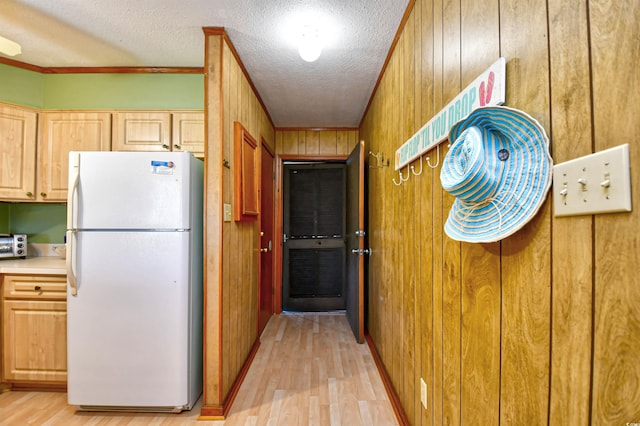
354, 230
314, 254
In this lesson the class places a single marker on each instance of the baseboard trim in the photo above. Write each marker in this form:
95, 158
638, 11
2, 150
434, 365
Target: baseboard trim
211, 412
403, 420
231, 396
220, 412
33, 387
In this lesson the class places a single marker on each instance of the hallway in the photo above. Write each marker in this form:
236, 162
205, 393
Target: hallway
309, 370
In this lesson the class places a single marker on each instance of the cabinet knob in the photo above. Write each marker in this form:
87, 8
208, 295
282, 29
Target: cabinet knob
176, 146
29, 194
43, 194
37, 288
165, 146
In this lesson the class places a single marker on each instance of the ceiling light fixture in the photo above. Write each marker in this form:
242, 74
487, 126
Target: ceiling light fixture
9, 47
310, 46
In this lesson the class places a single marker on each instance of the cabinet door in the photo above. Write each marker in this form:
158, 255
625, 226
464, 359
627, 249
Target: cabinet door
17, 153
142, 131
61, 132
188, 132
35, 341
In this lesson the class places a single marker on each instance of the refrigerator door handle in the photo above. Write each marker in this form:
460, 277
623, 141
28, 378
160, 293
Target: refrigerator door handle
74, 179
71, 276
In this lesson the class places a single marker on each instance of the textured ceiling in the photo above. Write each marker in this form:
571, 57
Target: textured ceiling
331, 92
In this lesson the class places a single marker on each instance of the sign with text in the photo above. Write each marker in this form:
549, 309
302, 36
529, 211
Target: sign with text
486, 90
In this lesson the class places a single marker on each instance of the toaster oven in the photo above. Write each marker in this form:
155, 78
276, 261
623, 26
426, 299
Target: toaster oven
13, 245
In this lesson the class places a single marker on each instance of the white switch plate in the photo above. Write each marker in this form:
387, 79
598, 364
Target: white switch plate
423, 392
595, 183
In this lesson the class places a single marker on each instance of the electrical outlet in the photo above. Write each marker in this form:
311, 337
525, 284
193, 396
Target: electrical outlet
595, 183
59, 250
423, 393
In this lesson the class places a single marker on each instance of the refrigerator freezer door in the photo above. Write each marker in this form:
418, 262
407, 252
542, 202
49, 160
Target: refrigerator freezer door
130, 190
128, 326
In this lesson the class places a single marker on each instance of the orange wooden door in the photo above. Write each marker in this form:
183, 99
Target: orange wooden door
265, 293
357, 252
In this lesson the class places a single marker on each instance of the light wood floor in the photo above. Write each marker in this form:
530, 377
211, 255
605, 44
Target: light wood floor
308, 371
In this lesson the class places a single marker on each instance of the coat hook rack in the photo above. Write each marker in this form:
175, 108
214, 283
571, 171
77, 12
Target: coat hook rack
380, 162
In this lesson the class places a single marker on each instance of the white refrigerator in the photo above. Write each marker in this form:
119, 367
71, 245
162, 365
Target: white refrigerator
134, 275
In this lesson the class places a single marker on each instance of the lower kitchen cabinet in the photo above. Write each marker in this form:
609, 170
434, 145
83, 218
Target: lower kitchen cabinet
34, 323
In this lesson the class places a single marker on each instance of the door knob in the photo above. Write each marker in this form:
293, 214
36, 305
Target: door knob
264, 250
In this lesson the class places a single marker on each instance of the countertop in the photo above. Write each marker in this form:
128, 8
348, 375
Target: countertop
50, 265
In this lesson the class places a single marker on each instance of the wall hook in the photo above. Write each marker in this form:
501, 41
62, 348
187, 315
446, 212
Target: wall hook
437, 162
420, 172
408, 175
398, 183
379, 156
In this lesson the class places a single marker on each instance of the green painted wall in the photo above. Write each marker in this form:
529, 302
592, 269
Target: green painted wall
123, 91
43, 223
21, 87
101, 91
4, 218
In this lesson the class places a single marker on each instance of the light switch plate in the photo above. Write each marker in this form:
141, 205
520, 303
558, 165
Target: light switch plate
227, 212
593, 184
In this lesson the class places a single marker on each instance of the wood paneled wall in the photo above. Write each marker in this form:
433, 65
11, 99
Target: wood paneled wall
231, 271
544, 326
315, 142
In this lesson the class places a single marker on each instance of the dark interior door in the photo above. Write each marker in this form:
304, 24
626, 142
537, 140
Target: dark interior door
265, 297
313, 256
357, 252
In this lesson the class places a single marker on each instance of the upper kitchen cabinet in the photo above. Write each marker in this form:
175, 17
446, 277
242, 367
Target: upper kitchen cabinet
142, 131
17, 153
188, 132
60, 133
159, 131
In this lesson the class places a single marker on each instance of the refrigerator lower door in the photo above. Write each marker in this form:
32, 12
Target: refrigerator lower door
128, 325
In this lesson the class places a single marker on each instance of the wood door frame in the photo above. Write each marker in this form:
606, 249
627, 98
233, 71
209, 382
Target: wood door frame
277, 248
